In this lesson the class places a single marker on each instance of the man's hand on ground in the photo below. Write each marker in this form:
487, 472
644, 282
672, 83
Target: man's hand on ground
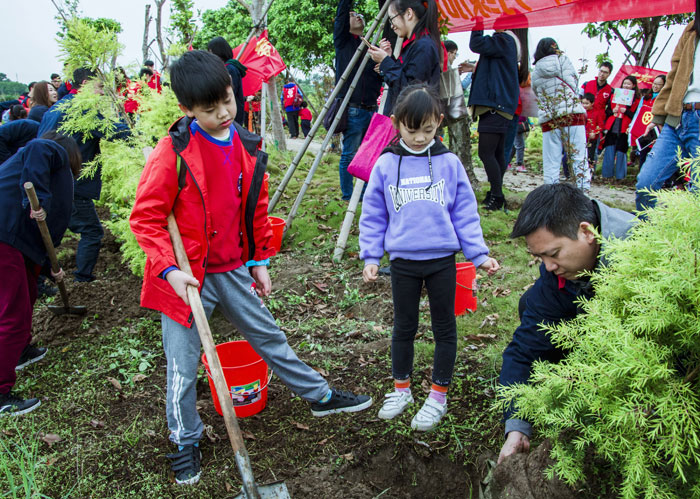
515, 442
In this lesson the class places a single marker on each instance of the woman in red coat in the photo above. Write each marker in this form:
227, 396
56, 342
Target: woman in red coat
616, 138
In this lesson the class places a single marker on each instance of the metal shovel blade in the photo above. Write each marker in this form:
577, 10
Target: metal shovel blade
275, 490
63, 310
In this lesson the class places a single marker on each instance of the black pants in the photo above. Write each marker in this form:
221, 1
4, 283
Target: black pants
407, 278
293, 123
306, 127
492, 129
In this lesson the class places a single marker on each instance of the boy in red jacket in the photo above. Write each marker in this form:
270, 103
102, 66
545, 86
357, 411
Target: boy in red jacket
305, 117
209, 172
594, 125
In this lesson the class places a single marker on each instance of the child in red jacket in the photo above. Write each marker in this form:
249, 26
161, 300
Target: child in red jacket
209, 172
594, 125
305, 117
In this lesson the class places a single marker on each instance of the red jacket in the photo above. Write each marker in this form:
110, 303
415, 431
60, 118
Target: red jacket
594, 123
624, 112
601, 96
159, 193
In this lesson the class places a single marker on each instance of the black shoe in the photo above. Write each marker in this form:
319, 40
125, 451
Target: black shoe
30, 354
384, 270
186, 464
341, 401
487, 198
44, 288
15, 406
496, 203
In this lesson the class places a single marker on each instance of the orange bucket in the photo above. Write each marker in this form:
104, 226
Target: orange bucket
465, 295
277, 232
246, 376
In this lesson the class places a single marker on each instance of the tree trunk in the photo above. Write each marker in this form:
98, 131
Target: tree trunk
146, 26
277, 128
159, 34
460, 144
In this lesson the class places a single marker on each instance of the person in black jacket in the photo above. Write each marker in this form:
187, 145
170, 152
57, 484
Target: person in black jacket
494, 98
422, 55
14, 135
220, 47
347, 30
559, 223
50, 163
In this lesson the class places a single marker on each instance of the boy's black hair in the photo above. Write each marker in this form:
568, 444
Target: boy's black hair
450, 45
220, 48
415, 104
71, 146
559, 208
198, 78
148, 62
80, 75
145, 71
589, 97
304, 104
608, 65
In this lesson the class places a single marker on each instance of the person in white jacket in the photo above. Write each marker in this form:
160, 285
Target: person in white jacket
561, 115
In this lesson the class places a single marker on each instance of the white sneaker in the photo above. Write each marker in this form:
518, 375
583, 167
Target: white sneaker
394, 404
429, 415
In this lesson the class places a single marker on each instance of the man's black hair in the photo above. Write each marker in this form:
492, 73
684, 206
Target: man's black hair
199, 78
80, 75
145, 71
589, 97
71, 146
450, 45
607, 65
148, 62
559, 208
55, 75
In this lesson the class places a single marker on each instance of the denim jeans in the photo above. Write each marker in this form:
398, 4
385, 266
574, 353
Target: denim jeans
358, 122
519, 148
662, 160
407, 278
614, 163
553, 142
84, 221
510, 138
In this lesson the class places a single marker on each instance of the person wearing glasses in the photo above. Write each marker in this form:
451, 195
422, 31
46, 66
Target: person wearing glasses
56, 80
347, 30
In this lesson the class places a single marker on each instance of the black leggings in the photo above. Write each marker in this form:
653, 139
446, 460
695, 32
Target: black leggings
407, 278
491, 154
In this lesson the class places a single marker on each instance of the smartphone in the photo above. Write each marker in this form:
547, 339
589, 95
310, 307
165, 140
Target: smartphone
364, 40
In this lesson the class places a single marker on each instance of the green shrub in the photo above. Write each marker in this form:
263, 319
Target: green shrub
628, 390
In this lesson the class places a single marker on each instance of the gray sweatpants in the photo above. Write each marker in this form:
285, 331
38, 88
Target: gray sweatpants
234, 293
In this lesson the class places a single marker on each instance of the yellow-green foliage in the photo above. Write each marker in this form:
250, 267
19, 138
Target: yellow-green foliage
86, 46
628, 390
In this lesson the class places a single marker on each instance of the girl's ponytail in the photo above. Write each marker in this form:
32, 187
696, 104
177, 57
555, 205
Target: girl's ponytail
427, 13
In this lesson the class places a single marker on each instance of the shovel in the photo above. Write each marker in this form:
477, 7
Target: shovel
250, 489
44, 229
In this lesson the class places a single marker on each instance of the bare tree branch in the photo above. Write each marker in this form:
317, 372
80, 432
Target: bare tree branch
247, 6
147, 24
159, 35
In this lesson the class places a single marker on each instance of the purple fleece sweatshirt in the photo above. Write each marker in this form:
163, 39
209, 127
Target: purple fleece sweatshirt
416, 223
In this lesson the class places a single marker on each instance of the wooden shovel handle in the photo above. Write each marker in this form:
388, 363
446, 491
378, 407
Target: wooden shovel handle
48, 243
217, 373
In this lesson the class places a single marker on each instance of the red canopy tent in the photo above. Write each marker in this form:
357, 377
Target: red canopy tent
462, 15
262, 61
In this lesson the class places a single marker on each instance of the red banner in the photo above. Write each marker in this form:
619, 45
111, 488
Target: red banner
263, 62
642, 120
645, 76
462, 15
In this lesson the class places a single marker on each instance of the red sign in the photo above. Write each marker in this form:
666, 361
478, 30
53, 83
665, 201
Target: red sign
463, 15
262, 61
642, 120
645, 76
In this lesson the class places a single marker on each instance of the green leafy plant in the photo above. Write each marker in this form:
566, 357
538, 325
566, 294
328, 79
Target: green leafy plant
628, 390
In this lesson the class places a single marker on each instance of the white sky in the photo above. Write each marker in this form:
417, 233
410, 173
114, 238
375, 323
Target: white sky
29, 50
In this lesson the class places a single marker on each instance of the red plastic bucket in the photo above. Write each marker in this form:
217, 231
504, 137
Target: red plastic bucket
277, 232
246, 376
465, 295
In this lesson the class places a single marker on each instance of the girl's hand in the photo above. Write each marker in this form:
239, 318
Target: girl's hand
263, 284
490, 266
370, 272
39, 215
385, 45
376, 53
179, 280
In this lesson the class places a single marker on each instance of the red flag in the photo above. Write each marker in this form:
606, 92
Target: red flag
263, 62
462, 15
645, 76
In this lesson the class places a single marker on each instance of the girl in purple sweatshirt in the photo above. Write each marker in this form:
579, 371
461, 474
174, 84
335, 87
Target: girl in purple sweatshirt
420, 208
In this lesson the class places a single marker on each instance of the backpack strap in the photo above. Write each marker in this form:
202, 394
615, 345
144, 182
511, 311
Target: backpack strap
181, 173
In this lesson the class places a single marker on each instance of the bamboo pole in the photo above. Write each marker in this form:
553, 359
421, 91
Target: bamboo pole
342, 241
309, 176
319, 119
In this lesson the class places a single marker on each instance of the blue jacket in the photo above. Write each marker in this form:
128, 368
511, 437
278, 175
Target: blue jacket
88, 187
237, 87
37, 112
46, 165
549, 302
14, 135
290, 109
495, 81
419, 62
367, 90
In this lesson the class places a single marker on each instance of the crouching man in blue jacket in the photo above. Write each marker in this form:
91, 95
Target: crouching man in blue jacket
559, 224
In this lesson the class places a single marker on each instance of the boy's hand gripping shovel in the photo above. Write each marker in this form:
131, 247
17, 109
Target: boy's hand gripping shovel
250, 489
46, 236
